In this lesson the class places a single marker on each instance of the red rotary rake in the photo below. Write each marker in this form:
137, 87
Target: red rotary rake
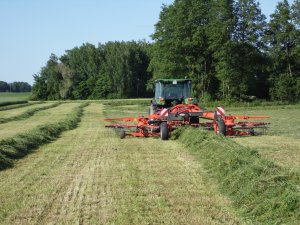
163, 121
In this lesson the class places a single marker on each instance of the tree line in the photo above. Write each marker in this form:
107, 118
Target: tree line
113, 70
227, 47
14, 87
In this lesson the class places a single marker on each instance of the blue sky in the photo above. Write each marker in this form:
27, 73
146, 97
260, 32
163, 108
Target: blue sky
33, 29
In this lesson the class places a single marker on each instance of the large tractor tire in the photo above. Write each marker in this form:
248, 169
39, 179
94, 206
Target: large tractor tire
221, 127
164, 131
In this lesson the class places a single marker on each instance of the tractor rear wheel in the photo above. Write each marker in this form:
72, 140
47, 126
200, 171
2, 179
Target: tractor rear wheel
221, 127
164, 132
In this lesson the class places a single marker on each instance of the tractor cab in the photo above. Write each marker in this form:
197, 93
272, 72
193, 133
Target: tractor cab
171, 92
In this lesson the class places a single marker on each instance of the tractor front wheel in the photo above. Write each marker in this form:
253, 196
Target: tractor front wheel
164, 132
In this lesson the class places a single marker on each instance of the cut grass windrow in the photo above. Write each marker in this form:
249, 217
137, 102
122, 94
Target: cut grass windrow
22, 144
52, 115
12, 103
28, 113
15, 106
262, 191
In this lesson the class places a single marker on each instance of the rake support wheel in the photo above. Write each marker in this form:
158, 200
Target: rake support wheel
122, 134
164, 132
221, 127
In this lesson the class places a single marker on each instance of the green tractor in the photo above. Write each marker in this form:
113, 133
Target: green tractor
171, 92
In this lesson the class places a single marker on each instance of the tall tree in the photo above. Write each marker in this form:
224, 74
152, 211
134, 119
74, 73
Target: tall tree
46, 83
4, 86
66, 82
221, 27
181, 44
250, 25
296, 13
283, 40
39, 89
296, 22
125, 70
85, 63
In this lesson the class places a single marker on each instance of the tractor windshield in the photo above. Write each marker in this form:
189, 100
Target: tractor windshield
173, 90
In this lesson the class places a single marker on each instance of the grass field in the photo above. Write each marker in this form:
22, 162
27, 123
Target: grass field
282, 142
55, 114
13, 97
90, 176
21, 110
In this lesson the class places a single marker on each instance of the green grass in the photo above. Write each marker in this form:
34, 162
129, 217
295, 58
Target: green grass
13, 97
257, 179
14, 111
23, 144
262, 191
124, 102
7, 98
51, 115
28, 113
253, 104
281, 144
13, 105
90, 176
284, 120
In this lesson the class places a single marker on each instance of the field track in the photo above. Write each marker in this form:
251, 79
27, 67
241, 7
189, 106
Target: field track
90, 176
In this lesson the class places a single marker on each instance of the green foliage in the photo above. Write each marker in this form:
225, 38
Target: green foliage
249, 59
113, 70
226, 47
181, 44
23, 144
262, 191
216, 43
15, 87
285, 88
219, 32
284, 39
4, 86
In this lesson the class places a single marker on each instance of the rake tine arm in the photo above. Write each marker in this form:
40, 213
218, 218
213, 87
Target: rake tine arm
128, 119
249, 117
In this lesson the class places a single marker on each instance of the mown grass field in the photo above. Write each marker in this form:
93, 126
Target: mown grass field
282, 142
90, 176
13, 97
